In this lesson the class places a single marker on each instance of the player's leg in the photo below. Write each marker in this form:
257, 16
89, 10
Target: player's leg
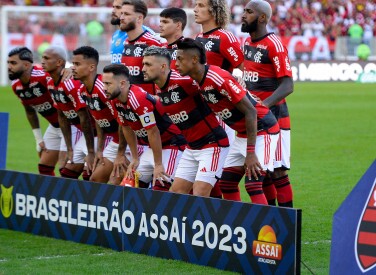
185, 173
233, 170
269, 189
49, 158
265, 149
102, 171
211, 162
280, 176
74, 170
202, 188
146, 168
216, 192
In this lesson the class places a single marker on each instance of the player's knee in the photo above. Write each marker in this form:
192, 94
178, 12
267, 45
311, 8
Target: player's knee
278, 173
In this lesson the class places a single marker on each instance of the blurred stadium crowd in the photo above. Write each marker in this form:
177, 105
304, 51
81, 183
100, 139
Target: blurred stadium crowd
330, 18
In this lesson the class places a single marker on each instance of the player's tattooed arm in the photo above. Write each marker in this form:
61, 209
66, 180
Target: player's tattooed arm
286, 87
32, 117
252, 166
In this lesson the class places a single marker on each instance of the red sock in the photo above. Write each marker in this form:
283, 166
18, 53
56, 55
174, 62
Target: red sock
159, 187
70, 174
269, 190
254, 190
46, 170
216, 191
284, 191
229, 183
86, 175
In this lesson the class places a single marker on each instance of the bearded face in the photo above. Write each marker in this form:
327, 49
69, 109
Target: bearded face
250, 27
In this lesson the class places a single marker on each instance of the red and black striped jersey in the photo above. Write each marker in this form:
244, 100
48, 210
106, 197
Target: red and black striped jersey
35, 94
141, 112
132, 58
181, 99
222, 49
222, 92
67, 99
266, 61
100, 108
172, 48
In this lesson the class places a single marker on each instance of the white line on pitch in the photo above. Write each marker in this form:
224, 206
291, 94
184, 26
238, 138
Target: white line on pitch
319, 242
56, 257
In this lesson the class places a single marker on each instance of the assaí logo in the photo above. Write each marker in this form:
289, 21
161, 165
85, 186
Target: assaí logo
266, 246
6, 201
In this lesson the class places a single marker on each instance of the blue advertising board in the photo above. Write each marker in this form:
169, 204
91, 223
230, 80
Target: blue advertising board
228, 235
4, 123
353, 248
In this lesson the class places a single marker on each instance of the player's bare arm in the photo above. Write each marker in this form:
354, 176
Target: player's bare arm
84, 116
156, 145
32, 117
131, 139
285, 88
100, 147
252, 165
121, 162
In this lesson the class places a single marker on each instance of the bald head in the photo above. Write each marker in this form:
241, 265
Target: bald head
261, 7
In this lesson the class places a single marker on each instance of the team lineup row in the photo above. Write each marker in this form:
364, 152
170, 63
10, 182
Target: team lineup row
171, 113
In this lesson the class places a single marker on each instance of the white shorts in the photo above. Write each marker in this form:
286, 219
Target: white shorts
265, 150
80, 150
52, 138
283, 151
202, 165
76, 135
111, 150
170, 160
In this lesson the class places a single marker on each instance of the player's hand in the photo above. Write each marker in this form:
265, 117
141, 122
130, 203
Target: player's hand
252, 166
98, 160
42, 147
120, 166
160, 174
132, 167
89, 159
66, 74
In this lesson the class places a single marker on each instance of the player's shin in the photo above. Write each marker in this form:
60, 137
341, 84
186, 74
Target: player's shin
269, 190
284, 191
254, 189
229, 183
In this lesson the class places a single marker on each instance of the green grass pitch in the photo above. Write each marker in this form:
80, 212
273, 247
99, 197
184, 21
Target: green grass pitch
333, 144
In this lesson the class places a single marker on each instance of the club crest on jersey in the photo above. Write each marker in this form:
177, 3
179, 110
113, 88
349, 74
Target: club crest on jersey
137, 52
175, 97
210, 98
365, 245
173, 55
118, 42
257, 57
209, 45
